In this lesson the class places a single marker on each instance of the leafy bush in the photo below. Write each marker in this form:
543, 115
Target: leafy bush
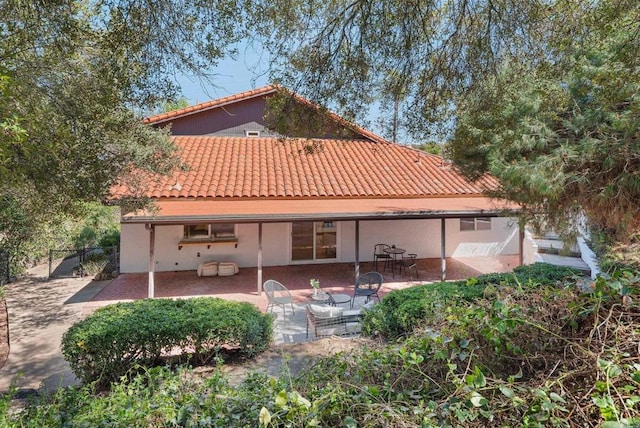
532, 357
99, 225
401, 310
110, 239
159, 397
116, 338
544, 274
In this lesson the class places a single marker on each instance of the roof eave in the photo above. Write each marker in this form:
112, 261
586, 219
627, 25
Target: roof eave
280, 218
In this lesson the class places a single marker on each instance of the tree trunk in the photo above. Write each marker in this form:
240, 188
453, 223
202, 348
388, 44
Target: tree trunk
4, 331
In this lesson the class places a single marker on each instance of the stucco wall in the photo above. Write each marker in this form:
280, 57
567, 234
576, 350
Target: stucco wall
423, 238
134, 248
416, 236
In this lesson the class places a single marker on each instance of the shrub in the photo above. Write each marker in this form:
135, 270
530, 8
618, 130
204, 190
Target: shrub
110, 239
475, 364
401, 310
109, 343
535, 274
544, 274
158, 397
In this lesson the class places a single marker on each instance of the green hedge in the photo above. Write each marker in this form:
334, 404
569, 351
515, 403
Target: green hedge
401, 310
116, 338
544, 274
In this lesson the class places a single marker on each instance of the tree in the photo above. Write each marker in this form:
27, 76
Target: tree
430, 147
540, 94
563, 139
178, 104
73, 78
424, 54
73, 74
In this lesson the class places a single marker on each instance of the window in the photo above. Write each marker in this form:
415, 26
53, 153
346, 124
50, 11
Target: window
222, 231
313, 240
473, 224
483, 223
216, 231
196, 231
248, 133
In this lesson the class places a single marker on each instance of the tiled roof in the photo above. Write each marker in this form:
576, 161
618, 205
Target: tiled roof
251, 167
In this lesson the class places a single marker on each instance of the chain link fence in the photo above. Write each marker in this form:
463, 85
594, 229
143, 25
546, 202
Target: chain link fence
102, 262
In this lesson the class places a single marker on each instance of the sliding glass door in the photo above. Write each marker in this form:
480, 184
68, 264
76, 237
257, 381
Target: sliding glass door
313, 240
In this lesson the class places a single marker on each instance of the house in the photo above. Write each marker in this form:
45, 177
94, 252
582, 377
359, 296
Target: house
255, 198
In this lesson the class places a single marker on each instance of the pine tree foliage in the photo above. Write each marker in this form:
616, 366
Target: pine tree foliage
563, 139
541, 94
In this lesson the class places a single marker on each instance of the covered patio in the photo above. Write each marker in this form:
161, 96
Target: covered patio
333, 277
289, 327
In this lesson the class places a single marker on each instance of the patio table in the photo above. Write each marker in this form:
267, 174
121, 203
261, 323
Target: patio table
339, 298
326, 298
394, 252
321, 297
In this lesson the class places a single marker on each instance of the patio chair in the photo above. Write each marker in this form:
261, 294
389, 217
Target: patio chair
278, 295
367, 285
408, 263
380, 253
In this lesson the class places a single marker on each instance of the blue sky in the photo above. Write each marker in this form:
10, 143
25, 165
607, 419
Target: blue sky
248, 71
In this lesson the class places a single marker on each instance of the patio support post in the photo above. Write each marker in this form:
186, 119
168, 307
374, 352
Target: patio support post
357, 248
521, 229
152, 258
443, 248
259, 259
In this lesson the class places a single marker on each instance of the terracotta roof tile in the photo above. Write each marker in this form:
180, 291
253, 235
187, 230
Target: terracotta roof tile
252, 167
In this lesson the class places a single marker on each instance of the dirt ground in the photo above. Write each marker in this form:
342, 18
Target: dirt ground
41, 310
292, 359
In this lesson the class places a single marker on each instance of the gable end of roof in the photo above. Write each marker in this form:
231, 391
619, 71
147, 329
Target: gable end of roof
201, 107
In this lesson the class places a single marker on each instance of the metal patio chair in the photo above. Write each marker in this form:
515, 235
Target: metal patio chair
278, 295
367, 285
408, 263
380, 253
